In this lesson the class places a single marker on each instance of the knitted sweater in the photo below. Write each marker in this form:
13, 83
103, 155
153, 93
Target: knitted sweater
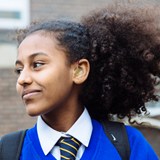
100, 147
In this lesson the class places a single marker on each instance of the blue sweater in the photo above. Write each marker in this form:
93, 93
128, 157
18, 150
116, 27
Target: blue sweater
100, 147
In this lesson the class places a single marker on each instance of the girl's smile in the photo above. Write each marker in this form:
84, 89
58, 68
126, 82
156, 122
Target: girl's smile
29, 94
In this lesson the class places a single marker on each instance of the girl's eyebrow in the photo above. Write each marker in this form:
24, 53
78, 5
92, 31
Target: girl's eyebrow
32, 56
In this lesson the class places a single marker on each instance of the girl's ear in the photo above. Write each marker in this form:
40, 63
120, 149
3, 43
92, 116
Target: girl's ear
81, 71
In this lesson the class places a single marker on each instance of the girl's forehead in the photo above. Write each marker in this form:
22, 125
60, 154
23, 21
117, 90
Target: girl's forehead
44, 34
39, 43
38, 39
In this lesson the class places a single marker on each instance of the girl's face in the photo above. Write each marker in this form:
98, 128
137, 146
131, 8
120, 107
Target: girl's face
45, 79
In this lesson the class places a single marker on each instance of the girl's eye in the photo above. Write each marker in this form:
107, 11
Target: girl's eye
37, 64
18, 71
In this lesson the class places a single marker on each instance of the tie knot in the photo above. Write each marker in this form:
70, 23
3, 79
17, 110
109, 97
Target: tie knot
68, 147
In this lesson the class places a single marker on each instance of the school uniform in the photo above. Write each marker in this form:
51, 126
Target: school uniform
40, 142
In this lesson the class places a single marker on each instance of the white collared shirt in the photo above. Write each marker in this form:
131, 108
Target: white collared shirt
48, 137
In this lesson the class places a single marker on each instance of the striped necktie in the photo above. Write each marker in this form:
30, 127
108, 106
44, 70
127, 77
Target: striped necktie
68, 147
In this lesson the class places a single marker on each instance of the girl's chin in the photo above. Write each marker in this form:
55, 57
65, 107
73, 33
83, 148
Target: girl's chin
33, 109
32, 112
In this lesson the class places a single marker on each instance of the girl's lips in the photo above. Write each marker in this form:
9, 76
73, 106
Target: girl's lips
28, 94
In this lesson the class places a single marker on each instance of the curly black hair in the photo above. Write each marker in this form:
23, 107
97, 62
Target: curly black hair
123, 48
125, 60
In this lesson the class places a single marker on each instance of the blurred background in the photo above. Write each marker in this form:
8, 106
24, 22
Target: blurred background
18, 14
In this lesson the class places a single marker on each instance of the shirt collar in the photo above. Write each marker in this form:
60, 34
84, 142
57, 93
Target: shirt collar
83, 123
48, 137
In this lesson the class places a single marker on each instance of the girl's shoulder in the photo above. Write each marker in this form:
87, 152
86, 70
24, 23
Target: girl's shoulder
140, 148
135, 135
133, 132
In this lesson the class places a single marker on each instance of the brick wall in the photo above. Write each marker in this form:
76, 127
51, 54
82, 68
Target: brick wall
50, 9
12, 111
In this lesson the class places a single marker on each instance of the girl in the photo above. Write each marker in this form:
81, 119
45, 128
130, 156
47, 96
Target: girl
73, 75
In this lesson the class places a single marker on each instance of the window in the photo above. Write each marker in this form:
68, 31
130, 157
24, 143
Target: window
14, 14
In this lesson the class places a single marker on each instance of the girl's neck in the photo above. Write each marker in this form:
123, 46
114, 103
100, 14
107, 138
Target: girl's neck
63, 120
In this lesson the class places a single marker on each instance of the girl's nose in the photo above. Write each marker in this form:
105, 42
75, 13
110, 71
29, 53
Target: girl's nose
24, 78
